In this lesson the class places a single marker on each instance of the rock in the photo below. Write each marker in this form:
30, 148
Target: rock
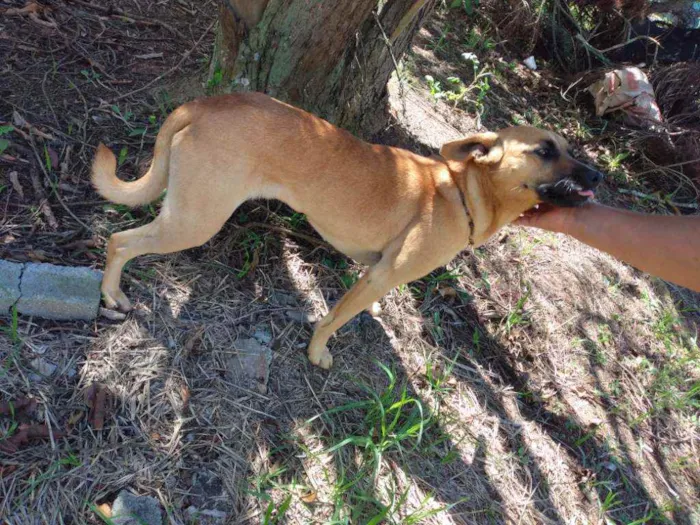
128, 509
43, 367
263, 335
208, 497
206, 516
9, 285
59, 292
252, 362
299, 316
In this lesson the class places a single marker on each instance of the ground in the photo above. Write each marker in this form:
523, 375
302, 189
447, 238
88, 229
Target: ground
533, 380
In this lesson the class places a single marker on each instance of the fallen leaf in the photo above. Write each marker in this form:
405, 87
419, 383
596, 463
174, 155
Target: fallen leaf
193, 340
25, 434
15, 183
446, 291
104, 510
31, 7
75, 417
309, 497
53, 157
185, 395
96, 398
22, 404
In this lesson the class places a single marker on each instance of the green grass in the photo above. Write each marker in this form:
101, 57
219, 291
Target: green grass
388, 422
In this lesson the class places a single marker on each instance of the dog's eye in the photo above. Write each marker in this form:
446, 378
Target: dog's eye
546, 153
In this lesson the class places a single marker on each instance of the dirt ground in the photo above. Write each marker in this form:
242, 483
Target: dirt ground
533, 380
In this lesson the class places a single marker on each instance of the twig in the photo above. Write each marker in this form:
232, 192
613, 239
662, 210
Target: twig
115, 11
43, 201
676, 165
286, 231
55, 190
169, 71
656, 198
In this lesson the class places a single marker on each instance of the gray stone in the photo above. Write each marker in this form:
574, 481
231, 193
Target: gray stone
60, 292
9, 285
43, 367
252, 362
208, 495
299, 316
128, 509
263, 335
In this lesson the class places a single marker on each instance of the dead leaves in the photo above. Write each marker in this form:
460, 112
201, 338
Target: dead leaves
96, 399
23, 404
25, 433
35, 12
20, 435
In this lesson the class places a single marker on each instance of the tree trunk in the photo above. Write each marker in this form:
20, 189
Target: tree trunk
331, 57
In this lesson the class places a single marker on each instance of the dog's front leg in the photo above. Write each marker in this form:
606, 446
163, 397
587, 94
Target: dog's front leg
410, 257
371, 287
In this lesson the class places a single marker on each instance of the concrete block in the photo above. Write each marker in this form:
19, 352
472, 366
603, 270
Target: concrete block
59, 292
9, 285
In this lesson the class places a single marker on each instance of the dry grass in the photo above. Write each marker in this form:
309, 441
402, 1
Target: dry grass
532, 381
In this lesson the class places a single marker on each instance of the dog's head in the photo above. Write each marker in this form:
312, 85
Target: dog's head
526, 166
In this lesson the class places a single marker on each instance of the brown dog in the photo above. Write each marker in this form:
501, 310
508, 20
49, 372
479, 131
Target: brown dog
402, 214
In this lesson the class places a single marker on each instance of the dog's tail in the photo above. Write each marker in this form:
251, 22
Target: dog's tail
149, 187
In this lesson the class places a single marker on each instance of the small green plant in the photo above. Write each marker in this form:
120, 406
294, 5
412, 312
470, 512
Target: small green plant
13, 329
613, 164
91, 75
435, 87
123, 153
518, 317
349, 279
391, 422
251, 246
611, 501
4, 143
467, 5
215, 79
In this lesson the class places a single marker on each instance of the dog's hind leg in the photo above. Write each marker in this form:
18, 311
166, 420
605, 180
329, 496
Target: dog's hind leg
169, 232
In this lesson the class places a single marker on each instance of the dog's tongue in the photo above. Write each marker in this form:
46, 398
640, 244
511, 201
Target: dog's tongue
587, 193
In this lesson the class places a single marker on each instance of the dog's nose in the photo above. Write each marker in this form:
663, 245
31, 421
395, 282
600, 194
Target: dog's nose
592, 177
587, 177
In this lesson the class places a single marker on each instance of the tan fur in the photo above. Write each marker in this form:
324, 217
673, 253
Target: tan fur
398, 212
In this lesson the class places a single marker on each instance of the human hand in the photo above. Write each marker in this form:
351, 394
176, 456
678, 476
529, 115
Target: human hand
552, 218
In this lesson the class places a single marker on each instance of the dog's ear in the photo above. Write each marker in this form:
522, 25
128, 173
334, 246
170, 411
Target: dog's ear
482, 148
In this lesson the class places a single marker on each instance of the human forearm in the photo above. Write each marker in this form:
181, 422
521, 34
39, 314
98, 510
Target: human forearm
664, 246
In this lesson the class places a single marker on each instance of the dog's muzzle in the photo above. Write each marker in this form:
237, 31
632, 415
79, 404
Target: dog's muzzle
572, 189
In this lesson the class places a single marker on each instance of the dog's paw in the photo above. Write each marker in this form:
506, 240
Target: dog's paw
322, 358
375, 310
116, 301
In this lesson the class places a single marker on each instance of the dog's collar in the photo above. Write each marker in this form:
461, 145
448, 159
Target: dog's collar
469, 216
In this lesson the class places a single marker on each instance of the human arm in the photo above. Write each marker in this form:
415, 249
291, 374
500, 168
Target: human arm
665, 246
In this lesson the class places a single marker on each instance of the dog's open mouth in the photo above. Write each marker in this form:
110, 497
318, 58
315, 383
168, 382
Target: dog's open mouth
565, 192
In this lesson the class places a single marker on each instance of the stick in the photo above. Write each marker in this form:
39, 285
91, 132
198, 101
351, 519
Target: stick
169, 71
656, 198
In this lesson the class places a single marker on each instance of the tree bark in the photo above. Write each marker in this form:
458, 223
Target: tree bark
331, 57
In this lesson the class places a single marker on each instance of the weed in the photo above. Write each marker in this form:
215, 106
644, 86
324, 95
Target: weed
611, 500
613, 164
438, 377
477, 41
391, 421
4, 143
251, 246
12, 330
442, 40
518, 317
123, 153
215, 79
